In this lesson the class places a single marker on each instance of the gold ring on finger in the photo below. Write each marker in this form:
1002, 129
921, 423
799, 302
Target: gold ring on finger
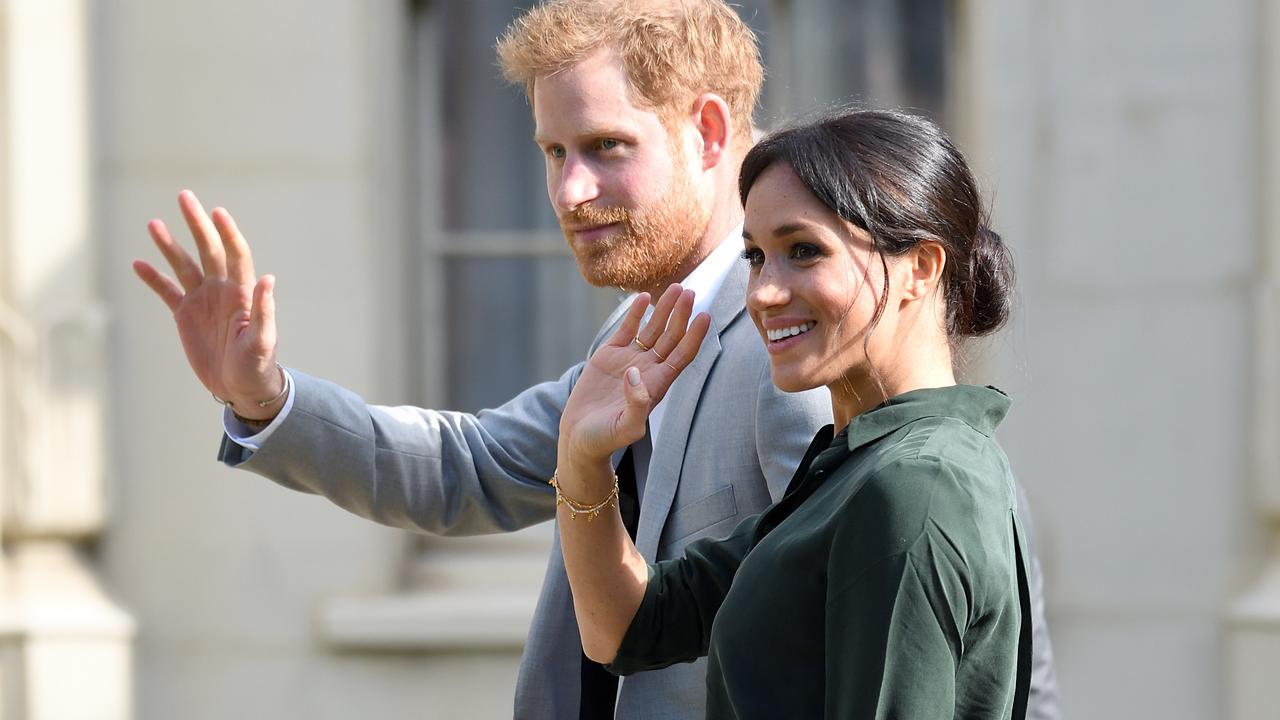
673, 367
641, 345
657, 355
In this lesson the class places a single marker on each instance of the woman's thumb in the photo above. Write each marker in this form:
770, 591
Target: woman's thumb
637, 398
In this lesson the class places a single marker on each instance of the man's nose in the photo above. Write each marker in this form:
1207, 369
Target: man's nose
578, 185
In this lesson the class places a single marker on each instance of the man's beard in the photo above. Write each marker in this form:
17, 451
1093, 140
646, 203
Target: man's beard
648, 246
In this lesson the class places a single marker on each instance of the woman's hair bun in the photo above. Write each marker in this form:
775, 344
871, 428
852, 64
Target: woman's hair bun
987, 299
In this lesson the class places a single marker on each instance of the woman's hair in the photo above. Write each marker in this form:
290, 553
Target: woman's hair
673, 50
897, 177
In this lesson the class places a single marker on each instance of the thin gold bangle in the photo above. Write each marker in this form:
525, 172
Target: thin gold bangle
284, 377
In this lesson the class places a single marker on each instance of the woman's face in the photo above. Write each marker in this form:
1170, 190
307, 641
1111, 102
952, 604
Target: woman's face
815, 283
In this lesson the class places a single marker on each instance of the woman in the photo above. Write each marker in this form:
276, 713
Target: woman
889, 581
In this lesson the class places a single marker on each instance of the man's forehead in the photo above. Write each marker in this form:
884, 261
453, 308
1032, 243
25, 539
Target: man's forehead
590, 112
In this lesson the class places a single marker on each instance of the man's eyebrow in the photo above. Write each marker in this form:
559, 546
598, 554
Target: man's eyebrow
594, 132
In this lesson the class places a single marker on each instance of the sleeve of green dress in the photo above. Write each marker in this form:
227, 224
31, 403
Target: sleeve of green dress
673, 623
897, 601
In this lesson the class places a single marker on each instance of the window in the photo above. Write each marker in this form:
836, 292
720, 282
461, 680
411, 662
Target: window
501, 303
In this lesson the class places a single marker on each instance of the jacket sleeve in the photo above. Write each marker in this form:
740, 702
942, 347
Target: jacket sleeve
446, 473
1044, 703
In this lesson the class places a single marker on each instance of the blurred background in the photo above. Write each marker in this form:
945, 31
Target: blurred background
385, 174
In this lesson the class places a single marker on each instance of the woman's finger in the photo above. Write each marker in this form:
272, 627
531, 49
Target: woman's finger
677, 325
638, 404
209, 245
630, 322
186, 269
652, 330
687, 349
160, 284
235, 248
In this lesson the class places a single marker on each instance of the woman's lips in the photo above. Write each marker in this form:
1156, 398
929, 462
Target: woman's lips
782, 344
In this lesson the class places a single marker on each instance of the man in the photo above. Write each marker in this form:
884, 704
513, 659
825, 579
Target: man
643, 114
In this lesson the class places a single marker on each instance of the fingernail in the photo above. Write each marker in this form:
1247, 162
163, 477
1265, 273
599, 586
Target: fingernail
633, 376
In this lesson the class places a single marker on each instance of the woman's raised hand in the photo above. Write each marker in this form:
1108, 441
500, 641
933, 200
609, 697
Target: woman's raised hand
225, 314
628, 375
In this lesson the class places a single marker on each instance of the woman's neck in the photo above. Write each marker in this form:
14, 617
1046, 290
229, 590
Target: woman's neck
924, 366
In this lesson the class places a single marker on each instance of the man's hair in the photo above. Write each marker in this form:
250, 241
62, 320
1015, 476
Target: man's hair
672, 50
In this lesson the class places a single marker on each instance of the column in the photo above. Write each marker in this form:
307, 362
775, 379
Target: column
56, 624
1254, 618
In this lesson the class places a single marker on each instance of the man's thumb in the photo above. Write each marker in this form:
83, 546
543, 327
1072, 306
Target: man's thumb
263, 314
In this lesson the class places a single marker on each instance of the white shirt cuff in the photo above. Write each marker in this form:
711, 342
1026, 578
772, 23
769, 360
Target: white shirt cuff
253, 438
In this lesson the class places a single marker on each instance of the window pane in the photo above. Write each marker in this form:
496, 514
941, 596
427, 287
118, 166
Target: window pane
513, 322
493, 176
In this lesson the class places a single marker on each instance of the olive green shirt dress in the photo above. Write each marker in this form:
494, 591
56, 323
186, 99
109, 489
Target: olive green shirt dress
889, 582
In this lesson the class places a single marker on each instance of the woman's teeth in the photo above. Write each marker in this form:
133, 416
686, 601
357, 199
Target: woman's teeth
786, 332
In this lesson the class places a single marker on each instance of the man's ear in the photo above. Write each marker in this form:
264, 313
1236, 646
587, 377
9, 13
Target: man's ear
925, 263
714, 123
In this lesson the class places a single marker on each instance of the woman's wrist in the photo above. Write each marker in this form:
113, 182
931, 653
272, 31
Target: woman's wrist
581, 476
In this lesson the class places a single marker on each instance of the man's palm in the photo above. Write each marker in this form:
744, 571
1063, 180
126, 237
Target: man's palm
225, 315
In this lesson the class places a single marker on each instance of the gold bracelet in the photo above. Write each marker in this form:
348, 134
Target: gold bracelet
580, 508
284, 377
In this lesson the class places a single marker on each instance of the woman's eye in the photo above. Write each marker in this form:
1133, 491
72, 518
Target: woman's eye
753, 256
804, 251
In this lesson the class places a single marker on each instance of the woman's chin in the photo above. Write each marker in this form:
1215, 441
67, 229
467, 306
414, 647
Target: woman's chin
787, 380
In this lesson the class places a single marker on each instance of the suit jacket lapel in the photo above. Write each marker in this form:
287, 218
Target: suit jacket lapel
682, 404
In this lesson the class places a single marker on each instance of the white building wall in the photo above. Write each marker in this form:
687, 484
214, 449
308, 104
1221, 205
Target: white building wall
288, 113
1120, 140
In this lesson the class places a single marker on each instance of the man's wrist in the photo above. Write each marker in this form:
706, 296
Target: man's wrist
257, 412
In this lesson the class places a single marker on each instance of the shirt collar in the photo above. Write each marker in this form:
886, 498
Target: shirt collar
981, 408
709, 275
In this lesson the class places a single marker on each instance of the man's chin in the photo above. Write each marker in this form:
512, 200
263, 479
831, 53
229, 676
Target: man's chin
603, 275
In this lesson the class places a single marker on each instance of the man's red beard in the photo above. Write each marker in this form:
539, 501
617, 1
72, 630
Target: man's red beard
648, 246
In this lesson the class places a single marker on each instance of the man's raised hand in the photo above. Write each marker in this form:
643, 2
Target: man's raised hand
224, 313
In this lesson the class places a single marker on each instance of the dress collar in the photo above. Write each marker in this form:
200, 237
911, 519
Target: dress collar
981, 408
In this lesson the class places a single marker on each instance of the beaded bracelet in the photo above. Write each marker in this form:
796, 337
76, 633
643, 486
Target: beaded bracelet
580, 508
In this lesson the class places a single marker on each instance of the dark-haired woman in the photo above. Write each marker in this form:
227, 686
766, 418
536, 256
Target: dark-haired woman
889, 581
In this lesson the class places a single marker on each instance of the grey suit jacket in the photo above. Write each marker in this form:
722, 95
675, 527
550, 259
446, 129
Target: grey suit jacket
728, 445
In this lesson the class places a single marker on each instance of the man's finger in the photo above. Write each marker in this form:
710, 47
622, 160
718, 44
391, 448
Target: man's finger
167, 289
212, 257
262, 316
239, 260
630, 322
183, 266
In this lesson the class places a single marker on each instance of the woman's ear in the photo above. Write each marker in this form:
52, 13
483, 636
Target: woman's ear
924, 264
714, 123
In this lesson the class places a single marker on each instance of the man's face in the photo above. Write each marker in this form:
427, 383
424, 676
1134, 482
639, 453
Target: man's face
620, 184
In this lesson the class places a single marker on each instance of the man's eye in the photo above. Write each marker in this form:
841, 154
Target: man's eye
556, 152
608, 144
